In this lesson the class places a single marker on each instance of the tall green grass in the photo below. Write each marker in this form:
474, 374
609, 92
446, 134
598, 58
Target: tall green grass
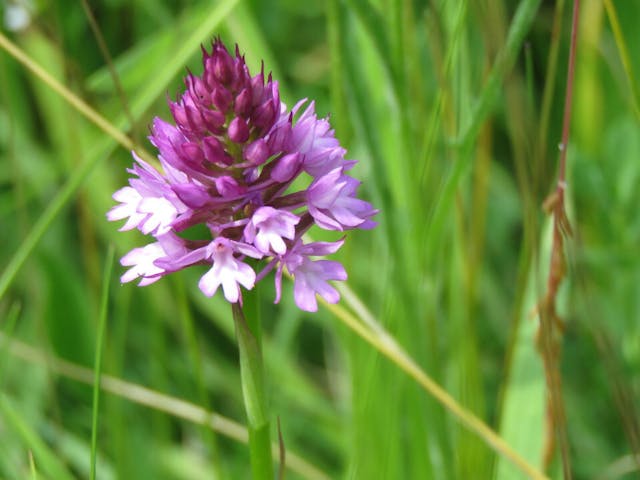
454, 109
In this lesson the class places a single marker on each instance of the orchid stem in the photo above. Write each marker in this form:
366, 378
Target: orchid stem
253, 392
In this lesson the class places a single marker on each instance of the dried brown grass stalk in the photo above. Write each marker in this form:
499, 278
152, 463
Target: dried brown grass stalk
551, 325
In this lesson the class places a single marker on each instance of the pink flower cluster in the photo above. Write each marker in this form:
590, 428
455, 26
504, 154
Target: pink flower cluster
229, 163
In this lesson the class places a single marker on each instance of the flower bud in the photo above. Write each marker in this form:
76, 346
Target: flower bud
286, 167
278, 139
197, 89
264, 116
241, 74
238, 130
178, 113
228, 186
214, 151
221, 98
257, 87
256, 152
213, 120
194, 119
242, 105
222, 64
192, 153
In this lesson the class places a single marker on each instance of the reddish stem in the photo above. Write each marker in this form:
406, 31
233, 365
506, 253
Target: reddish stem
549, 319
568, 99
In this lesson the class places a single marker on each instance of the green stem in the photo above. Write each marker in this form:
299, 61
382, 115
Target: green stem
97, 371
253, 391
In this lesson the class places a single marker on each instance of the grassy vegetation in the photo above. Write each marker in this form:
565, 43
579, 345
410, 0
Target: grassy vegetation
454, 109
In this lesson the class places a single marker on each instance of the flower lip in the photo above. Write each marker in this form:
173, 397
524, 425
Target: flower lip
227, 271
268, 227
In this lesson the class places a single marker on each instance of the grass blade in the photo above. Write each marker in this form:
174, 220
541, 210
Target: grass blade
102, 323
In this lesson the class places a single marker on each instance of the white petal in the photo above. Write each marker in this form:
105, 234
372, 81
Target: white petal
231, 289
277, 244
246, 276
209, 282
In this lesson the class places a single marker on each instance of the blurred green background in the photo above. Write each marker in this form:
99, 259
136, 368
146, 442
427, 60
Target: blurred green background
454, 109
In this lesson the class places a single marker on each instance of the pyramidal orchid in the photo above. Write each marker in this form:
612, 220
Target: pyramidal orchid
228, 162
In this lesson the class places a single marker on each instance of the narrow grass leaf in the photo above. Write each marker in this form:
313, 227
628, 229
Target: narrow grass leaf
97, 368
8, 328
32, 467
523, 410
624, 55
